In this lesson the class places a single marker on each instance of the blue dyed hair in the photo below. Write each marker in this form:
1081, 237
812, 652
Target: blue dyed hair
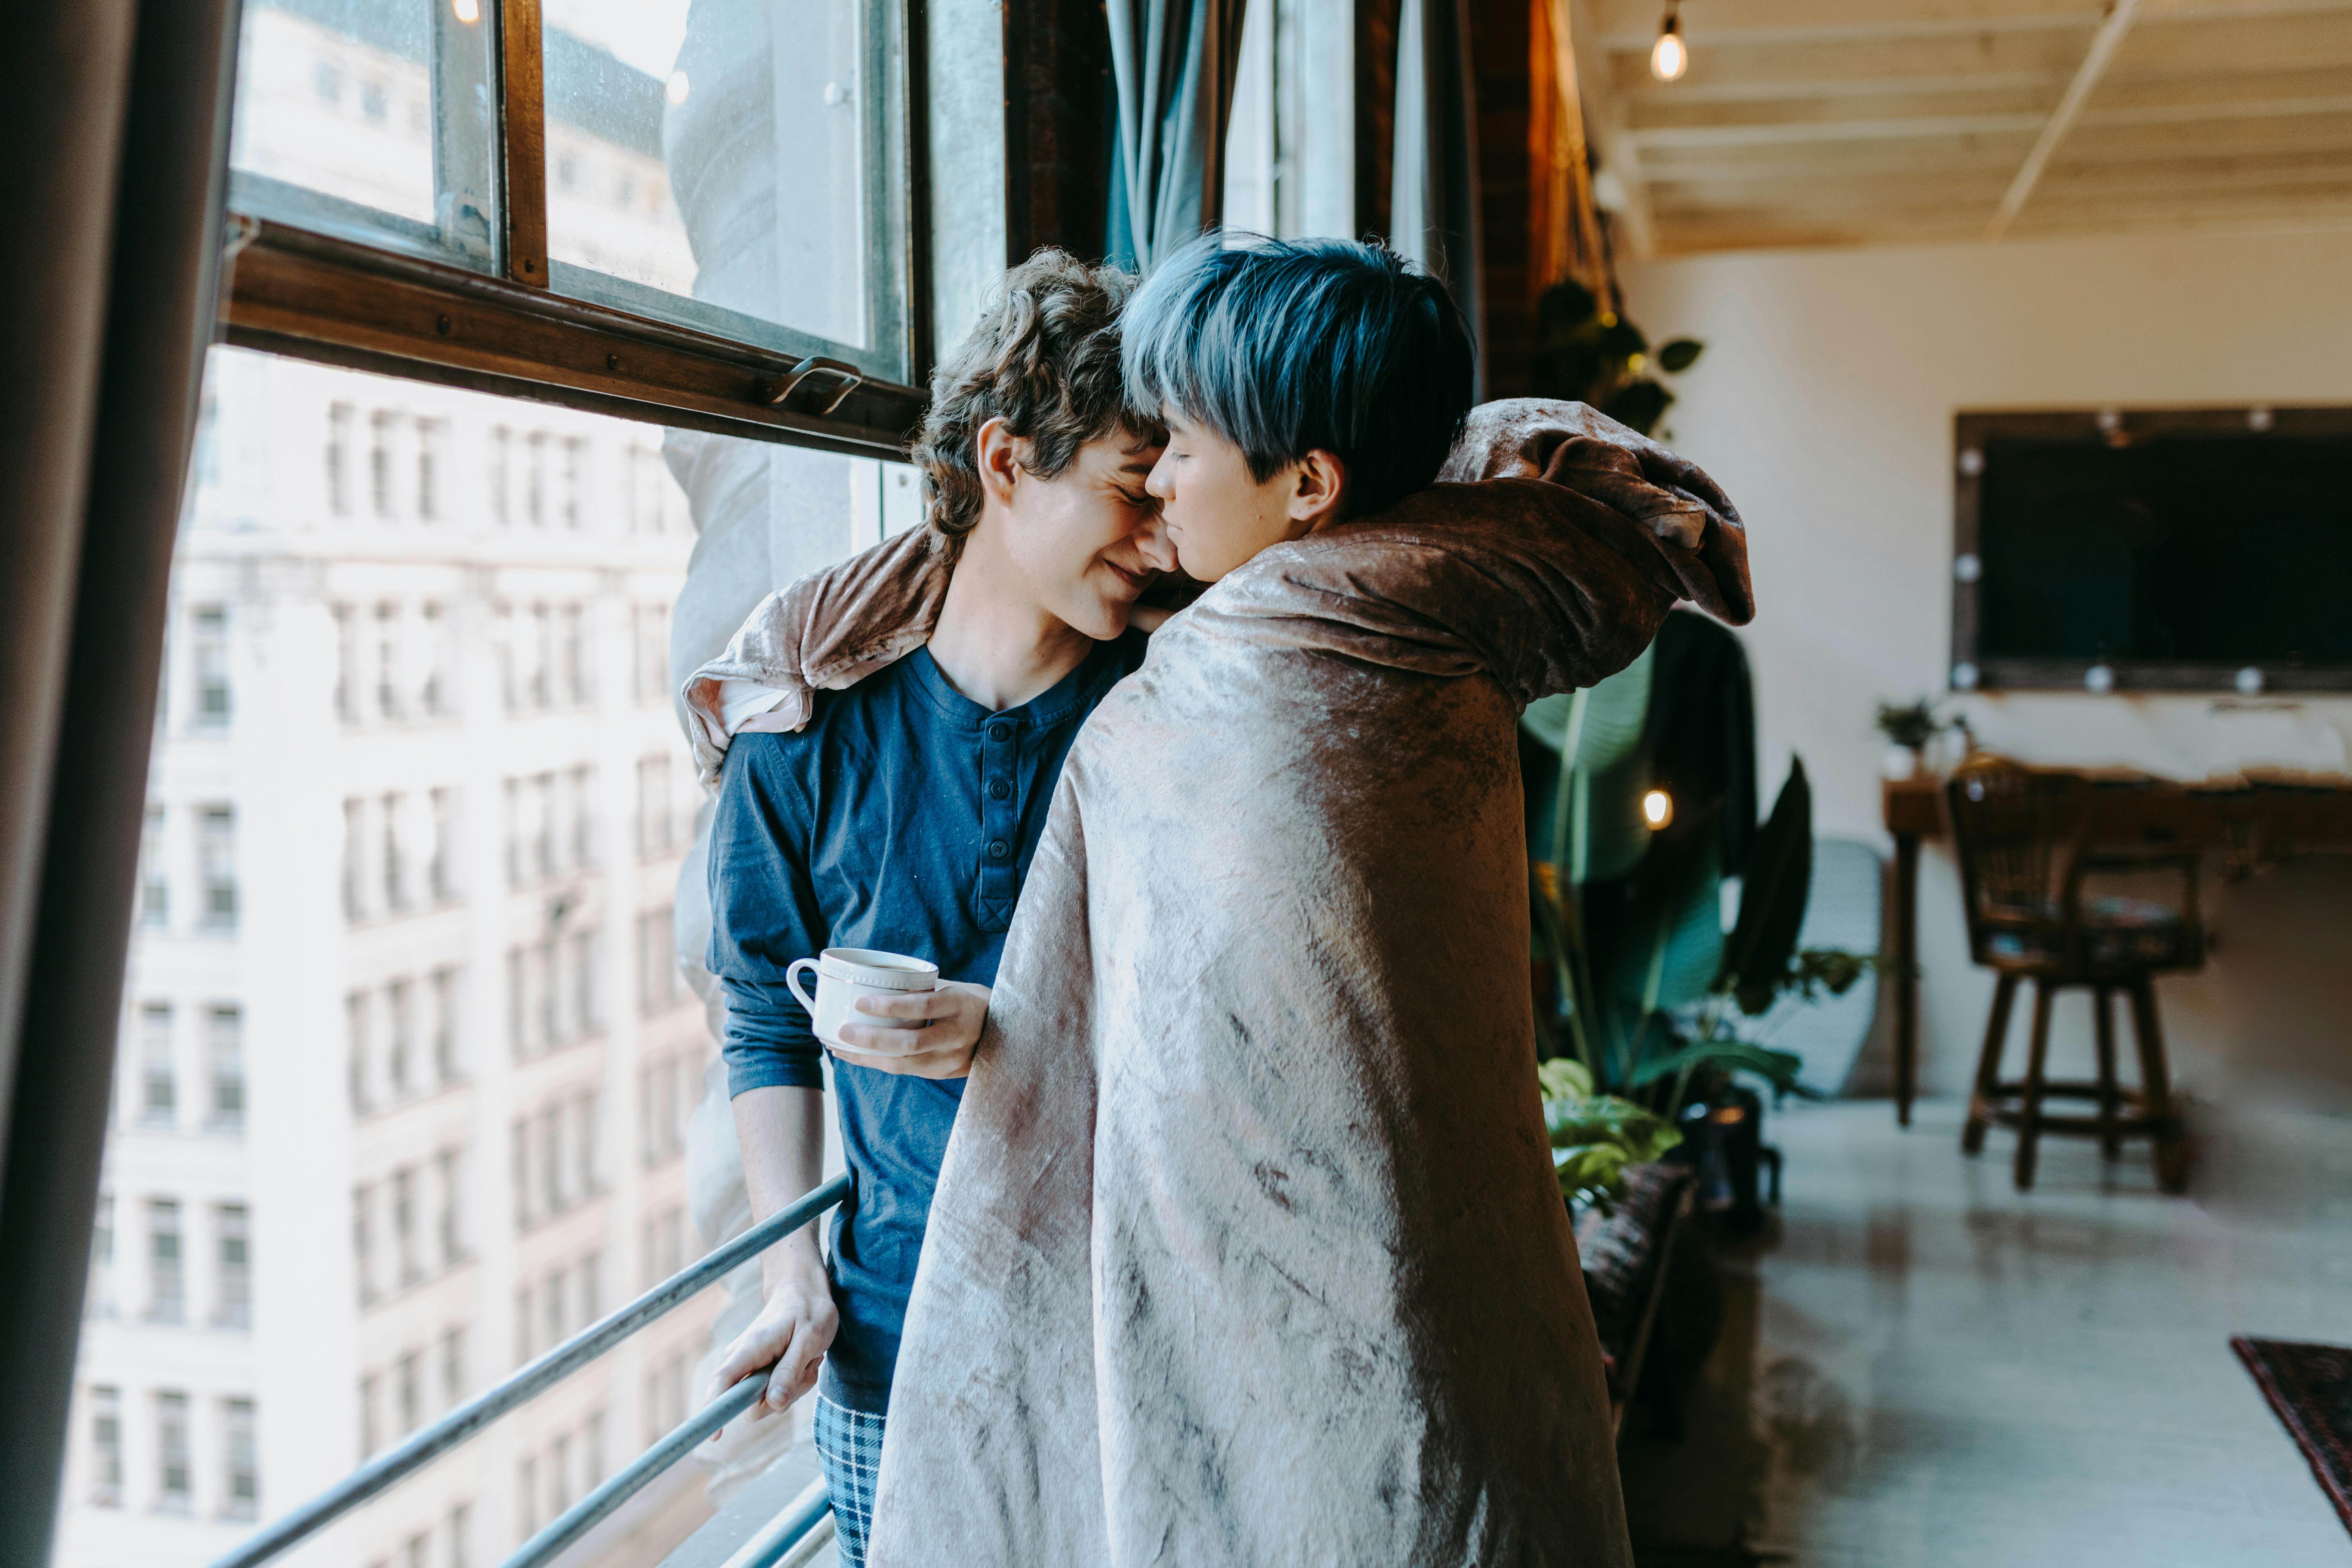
1286, 346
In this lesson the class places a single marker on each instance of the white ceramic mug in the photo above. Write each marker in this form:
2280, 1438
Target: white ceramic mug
845, 974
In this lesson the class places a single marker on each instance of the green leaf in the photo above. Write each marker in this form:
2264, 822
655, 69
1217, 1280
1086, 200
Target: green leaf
1772, 898
1562, 1079
1679, 355
1671, 948
1779, 1069
1598, 831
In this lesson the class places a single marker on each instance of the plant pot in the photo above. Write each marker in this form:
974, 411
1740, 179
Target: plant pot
1723, 1141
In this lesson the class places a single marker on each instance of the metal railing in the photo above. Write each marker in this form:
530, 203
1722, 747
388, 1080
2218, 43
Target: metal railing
380, 1473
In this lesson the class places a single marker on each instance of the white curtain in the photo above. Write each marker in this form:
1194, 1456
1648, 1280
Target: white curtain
1433, 193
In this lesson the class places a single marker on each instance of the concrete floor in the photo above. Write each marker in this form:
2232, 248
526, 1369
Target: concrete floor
1920, 1366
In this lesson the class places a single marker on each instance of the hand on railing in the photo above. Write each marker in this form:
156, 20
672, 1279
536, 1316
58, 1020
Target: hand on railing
790, 1336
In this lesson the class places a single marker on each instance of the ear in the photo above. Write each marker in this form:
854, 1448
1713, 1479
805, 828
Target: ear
997, 453
1318, 485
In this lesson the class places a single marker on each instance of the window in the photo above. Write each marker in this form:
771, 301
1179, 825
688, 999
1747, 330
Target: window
159, 1103
355, 1035
657, 979
399, 1037
461, 1533
574, 462
395, 863
354, 860
101, 1259
224, 1058
419, 1546
534, 480
339, 459
441, 871
171, 1468
154, 881
347, 663
445, 1026
652, 652
166, 1285
583, 1141
527, 1496
209, 660
585, 1014
591, 1288
654, 830
241, 1487
501, 475
216, 863
453, 1367
437, 698
388, 703
544, 993
511, 793
380, 462
408, 1382
592, 1437
430, 433
368, 1427
404, 1225
541, 803
519, 1176
581, 781
576, 656
552, 1295
106, 1447
234, 1273
541, 650
522, 1324
558, 1472
363, 1241
552, 1197
445, 1164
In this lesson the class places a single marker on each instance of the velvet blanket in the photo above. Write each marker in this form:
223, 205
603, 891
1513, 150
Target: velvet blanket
1247, 1247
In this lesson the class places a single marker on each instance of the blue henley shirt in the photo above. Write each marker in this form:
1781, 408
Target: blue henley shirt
902, 817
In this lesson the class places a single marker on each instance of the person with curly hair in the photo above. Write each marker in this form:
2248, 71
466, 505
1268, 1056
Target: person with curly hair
899, 811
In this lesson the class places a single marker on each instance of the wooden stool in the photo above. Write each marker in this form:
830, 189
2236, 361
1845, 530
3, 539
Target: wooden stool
2026, 842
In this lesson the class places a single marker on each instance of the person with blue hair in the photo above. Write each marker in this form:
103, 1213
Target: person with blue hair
1247, 1247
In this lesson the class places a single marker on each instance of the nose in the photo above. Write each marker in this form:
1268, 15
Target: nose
1161, 480
1151, 539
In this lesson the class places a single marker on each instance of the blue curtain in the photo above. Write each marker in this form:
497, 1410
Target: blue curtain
1173, 62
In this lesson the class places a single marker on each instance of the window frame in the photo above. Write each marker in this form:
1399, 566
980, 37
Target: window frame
341, 285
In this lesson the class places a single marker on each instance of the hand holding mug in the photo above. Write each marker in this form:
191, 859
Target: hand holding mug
921, 1027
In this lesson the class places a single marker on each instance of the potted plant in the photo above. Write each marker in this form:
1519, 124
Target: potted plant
1909, 726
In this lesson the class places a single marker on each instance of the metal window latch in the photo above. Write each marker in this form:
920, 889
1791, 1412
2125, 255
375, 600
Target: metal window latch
777, 392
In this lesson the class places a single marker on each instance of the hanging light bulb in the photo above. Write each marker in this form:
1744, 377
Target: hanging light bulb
1669, 57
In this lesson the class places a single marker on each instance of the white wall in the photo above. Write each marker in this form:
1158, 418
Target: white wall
1824, 405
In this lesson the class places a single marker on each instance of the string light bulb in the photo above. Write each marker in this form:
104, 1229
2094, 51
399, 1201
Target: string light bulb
1657, 809
1670, 57
467, 11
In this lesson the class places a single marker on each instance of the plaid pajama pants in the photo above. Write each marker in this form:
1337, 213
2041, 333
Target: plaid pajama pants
849, 1445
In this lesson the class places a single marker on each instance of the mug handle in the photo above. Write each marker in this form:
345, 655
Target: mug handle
792, 984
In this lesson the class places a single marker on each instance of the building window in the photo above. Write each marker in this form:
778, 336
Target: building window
583, 1141
654, 817
241, 1496
541, 803
461, 1533
225, 1059
380, 462
354, 860
208, 659
171, 1468
437, 694
355, 1037
388, 703
651, 653
519, 1175
527, 1496
575, 656
501, 478
403, 1226
575, 453
581, 782
657, 979
409, 1381
396, 862
106, 1447
453, 1367
586, 1014
534, 496
399, 1037
540, 665
235, 1255
545, 993
339, 447
453, 1246
347, 661
368, 1387
166, 1282
216, 863
591, 1288
522, 1324
441, 874
445, 1026
101, 1259
154, 882
552, 1294
159, 1100
517, 1045
364, 1240
551, 1195
430, 436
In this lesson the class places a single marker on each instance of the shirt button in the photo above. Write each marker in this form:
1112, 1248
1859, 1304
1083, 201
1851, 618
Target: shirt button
999, 790
997, 850
1000, 732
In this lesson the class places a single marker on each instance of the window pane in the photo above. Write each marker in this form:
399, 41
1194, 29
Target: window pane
340, 123
750, 165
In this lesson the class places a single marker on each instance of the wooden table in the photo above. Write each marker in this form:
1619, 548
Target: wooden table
2256, 817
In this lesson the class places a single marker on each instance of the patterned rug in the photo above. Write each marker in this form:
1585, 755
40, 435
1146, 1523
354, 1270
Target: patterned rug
2310, 1386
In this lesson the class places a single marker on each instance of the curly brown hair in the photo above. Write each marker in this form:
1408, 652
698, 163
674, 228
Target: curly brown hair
1044, 359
